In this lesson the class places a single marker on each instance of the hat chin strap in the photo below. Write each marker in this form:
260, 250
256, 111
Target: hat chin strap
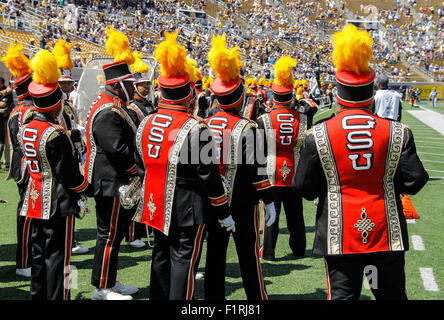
143, 96
124, 90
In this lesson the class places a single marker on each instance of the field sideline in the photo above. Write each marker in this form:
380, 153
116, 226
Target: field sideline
287, 278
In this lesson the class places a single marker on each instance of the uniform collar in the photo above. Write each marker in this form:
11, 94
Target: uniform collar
115, 97
26, 101
43, 116
139, 98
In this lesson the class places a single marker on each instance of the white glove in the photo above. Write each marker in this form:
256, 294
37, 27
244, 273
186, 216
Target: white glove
228, 223
270, 214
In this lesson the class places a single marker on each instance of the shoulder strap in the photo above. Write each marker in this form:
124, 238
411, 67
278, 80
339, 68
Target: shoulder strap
301, 137
137, 110
235, 140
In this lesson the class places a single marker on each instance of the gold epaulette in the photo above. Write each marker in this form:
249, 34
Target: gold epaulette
116, 110
55, 134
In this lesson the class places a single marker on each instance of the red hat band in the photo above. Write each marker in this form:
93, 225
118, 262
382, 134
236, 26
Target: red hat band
66, 78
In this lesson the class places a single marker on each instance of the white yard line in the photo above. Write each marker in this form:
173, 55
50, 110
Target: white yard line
434, 170
410, 220
429, 147
439, 143
428, 279
417, 242
321, 112
428, 137
431, 154
433, 119
434, 161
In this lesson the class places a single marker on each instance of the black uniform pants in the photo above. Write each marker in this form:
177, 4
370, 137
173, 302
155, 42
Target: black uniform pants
384, 272
3, 140
136, 231
112, 224
51, 255
23, 255
295, 224
174, 261
246, 239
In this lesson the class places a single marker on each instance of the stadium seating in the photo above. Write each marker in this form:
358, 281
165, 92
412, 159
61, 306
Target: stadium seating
299, 28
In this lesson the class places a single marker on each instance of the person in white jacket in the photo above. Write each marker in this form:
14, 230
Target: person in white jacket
387, 101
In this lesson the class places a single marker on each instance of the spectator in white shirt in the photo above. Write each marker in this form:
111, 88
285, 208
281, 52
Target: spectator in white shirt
387, 102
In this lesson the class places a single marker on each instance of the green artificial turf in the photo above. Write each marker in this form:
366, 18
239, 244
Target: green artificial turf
286, 278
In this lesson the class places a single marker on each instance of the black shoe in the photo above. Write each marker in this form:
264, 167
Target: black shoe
268, 257
299, 254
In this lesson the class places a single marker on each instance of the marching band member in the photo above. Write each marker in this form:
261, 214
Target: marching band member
358, 164
110, 132
139, 108
253, 104
19, 66
69, 118
179, 187
245, 185
143, 86
203, 101
285, 131
55, 181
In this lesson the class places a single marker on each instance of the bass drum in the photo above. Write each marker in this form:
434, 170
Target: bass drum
92, 83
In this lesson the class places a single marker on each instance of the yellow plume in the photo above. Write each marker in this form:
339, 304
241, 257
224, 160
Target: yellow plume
16, 61
117, 45
352, 50
171, 55
99, 79
283, 75
191, 65
226, 63
197, 74
138, 65
45, 68
62, 52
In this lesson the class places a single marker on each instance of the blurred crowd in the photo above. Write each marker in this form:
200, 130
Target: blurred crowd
264, 30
